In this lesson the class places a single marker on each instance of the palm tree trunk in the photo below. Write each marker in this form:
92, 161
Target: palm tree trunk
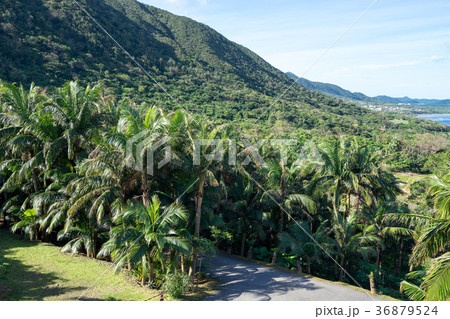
378, 261
198, 216
198, 205
299, 266
335, 209
308, 269
249, 252
193, 265
400, 253
341, 268
373, 288
128, 259
243, 244
145, 189
183, 269
35, 180
274, 257
358, 200
94, 247
151, 269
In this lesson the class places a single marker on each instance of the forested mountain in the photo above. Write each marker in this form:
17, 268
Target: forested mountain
50, 42
423, 102
338, 92
330, 89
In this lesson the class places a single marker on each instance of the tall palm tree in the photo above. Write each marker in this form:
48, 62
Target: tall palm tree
78, 112
285, 185
150, 126
333, 175
24, 134
379, 222
204, 165
244, 211
353, 170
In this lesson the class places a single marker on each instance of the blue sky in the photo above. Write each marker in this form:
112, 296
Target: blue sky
399, 48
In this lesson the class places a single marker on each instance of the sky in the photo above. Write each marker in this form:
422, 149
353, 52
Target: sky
397, 48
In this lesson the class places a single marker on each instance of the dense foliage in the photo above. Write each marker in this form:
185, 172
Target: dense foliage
328, 206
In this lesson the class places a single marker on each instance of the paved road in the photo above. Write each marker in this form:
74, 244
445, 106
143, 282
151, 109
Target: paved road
242, 280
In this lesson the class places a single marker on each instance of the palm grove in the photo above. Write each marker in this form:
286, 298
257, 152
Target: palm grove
65, 177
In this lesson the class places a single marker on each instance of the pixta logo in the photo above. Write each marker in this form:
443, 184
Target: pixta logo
141, 150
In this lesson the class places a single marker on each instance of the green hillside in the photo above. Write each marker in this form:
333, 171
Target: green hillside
50, 42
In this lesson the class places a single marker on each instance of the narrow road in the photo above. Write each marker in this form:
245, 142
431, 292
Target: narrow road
243, 280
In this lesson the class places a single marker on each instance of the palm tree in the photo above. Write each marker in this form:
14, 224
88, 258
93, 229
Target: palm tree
150, 127
436, 281
285, 185
306, 244
24, 134
78, 112
29, 224
143, 233
432, 247
333, 175
204, 166
245, 213
83, 233
379, 222
440, 189
351, 169
349, 240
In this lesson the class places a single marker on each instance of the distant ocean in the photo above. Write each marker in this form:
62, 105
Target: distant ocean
442, 118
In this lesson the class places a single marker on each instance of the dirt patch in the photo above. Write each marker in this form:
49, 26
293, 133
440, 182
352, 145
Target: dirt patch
4, 290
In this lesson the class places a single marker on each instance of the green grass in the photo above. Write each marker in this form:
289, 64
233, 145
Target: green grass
39, 271
408, 179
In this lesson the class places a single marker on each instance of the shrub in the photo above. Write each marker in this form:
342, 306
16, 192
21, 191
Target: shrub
262, 254
177, 284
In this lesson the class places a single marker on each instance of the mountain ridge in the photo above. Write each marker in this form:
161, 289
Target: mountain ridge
339, 92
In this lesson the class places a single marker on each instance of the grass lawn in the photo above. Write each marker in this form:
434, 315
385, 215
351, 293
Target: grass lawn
39, 271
